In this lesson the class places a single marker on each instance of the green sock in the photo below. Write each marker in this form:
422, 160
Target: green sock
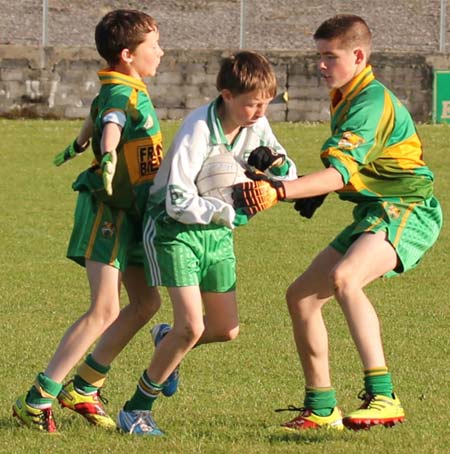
146, 393
43, 392
321, 401
83, 385
378, 381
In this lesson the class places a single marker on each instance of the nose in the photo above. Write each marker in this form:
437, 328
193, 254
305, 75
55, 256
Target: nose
260, 112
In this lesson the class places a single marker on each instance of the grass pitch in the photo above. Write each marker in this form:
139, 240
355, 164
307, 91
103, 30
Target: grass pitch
228, 391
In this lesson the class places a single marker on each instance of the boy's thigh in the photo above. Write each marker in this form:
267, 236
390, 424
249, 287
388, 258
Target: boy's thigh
410, 228
314, 282
221, 312
103, 234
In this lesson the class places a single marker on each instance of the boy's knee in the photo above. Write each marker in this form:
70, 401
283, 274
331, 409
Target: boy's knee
104, 318
147, 308
233, 333
228, 335
293, 300
189, 334
341, 279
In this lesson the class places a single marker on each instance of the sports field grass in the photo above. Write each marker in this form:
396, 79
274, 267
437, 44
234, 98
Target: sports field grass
228, 391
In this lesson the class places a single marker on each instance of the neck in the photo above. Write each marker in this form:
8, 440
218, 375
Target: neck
123, 68
229, 127
358, 70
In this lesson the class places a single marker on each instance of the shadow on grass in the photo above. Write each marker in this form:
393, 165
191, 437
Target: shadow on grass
310, 437
10, 426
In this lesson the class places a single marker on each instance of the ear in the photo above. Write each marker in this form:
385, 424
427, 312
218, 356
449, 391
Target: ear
126, 56
359, 55
226, 94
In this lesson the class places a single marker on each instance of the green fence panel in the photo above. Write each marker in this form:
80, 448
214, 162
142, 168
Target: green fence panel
441, 96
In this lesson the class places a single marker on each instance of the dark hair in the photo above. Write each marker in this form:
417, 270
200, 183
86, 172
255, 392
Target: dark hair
122, 29
350, 29
246, 71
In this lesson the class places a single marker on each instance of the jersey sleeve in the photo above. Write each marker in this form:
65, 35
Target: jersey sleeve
361, 137
288, 171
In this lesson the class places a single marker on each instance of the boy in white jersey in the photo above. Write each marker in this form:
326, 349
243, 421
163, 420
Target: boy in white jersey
188, 238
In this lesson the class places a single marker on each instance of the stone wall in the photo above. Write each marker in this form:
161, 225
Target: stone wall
61, 82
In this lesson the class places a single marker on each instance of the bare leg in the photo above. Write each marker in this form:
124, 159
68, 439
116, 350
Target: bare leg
187, 329
221, 318
104, 281
144, 303
305, 298
370, 257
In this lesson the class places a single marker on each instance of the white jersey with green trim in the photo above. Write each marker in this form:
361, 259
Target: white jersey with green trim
199, 137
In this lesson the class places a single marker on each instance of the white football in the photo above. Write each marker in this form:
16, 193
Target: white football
217, 174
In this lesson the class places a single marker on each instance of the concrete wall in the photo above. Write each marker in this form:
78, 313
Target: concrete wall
61, 82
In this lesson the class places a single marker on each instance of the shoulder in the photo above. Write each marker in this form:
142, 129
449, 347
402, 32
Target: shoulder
197, 115
196, 122
114, 96
370, 102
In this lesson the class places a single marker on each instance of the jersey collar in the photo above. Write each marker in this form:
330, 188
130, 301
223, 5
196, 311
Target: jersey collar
355, 86
108, 76
214, 123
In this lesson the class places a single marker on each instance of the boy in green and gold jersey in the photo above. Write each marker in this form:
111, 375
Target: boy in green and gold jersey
107, 231
374, 159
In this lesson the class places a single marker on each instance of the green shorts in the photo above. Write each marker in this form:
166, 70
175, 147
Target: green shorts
181, 255
105, 235
411, 228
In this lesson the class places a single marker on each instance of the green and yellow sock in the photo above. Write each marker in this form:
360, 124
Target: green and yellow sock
146, 393
378, 381
320, 400
43, 392
90, 376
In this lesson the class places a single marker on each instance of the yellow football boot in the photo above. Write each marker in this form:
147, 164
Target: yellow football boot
308, 420
36, 418
375, 410
89, 406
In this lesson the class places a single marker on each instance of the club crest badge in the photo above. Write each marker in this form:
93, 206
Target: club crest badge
350, 141
393, 211
149, 122
108, 229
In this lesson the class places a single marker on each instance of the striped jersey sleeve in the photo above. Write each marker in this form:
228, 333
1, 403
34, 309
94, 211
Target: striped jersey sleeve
375, 146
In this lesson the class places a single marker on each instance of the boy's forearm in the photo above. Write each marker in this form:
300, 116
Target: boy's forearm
317, 183
86, 131
110, 137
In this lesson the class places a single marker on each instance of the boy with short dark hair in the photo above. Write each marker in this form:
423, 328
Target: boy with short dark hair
107, 232
188, 237
374, 159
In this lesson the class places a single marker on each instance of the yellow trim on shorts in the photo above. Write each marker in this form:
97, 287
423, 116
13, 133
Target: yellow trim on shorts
113, 257
94, 231
379, 221
401, 227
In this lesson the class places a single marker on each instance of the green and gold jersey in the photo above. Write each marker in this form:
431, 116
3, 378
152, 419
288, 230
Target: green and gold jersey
139, 152
374, 145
